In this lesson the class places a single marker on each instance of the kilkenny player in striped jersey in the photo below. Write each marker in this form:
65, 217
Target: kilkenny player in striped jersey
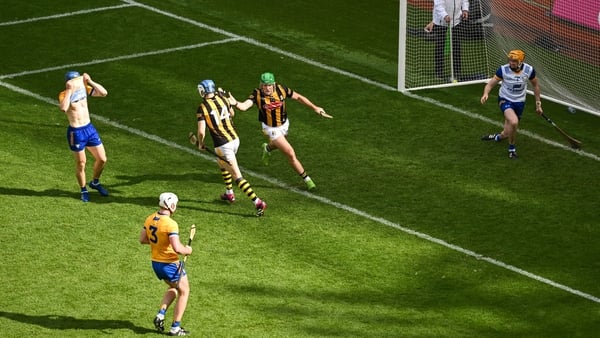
272, 113
215, 113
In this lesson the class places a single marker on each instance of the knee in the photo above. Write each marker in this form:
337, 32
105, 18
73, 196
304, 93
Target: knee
290, 153
183, 289
183, 292
101, 160
80, 165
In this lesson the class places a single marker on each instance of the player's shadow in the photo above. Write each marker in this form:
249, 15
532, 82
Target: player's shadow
58, 322
114, 198
29, 192
129, 180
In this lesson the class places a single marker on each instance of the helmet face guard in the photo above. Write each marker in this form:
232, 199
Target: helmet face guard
168, 200
516, 55
206, 87
71, 75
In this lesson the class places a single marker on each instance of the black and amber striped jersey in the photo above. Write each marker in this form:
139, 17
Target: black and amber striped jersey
271, 109
215, 112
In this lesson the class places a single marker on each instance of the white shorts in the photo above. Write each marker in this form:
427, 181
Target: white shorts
274, 132
229, 149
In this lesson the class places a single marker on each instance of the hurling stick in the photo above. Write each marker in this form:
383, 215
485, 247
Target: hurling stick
182, 263
194, 140
574, 142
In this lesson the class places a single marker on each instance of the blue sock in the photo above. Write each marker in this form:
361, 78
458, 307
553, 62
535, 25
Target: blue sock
175, 324
96, 181
83, 189
162, 311
511, 148
497, 137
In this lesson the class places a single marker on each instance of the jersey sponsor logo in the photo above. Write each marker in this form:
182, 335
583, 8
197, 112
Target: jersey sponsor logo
517, 78
273, 105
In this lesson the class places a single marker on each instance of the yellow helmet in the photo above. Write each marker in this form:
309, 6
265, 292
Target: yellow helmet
516, 54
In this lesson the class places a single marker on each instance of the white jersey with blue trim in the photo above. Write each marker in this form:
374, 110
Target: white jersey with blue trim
514, 84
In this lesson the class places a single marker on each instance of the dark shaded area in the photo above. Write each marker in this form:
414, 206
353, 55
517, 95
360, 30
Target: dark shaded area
58, 322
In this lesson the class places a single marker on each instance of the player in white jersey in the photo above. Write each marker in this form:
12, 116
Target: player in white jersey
511, 97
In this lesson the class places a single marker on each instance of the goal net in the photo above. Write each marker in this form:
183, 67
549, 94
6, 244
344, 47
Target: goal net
561, 39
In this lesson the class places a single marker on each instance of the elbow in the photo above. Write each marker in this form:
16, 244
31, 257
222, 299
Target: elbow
99, 91
243, 106
184, 250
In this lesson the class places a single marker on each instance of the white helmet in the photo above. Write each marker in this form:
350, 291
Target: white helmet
168, 200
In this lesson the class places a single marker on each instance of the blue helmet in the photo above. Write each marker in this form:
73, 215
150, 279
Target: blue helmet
206, 87
71, 75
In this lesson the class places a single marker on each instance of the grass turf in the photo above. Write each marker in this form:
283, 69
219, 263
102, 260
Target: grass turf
335, 263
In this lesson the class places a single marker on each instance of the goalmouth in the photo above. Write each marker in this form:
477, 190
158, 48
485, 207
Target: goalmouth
561, 39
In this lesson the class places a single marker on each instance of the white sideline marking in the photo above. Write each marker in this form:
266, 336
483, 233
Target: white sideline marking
310, 195
118, 58
62, 15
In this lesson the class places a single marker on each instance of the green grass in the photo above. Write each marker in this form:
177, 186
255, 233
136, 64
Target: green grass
335, 262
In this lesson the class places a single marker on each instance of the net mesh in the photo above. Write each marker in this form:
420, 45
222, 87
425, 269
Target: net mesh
561, 39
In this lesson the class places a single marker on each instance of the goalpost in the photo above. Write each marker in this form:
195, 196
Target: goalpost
561, 39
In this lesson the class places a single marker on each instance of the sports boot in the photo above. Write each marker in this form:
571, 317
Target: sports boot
490, 137
85, 196
228, 197
159, 323
99, 187
265, 154
310, 184
180, 332
260, 207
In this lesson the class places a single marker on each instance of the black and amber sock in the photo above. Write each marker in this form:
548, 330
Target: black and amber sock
246, 188
227, 178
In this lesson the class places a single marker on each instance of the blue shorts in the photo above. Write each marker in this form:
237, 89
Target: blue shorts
516, 106
168, 271
82, 137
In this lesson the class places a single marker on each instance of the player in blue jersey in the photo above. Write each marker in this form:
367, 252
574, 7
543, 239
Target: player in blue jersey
81, 133
511, 98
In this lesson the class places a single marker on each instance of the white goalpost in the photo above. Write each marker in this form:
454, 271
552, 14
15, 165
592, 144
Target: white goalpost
561, 39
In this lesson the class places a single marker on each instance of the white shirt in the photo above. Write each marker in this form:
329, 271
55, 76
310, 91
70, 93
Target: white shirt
514, 85
453, 8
